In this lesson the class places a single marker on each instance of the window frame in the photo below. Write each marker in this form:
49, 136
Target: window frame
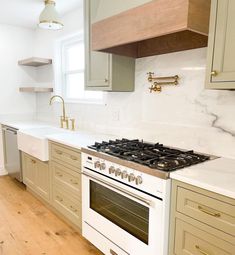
61, 72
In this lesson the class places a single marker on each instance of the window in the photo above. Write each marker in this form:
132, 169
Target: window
71, 72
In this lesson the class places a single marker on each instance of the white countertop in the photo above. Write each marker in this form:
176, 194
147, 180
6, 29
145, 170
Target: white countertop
217, 175
79, 139
25, 124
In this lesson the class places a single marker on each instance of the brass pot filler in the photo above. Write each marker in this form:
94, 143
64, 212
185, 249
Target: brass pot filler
158, 82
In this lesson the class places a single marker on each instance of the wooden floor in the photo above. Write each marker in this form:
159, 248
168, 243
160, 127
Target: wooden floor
27, 227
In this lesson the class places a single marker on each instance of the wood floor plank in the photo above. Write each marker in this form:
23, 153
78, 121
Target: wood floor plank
27, 227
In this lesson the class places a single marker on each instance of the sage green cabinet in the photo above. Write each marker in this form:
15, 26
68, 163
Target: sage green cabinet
106, 72
202, 222
36, 176
65, 165
221, 54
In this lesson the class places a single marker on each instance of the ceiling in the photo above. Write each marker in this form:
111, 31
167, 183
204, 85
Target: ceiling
25, 13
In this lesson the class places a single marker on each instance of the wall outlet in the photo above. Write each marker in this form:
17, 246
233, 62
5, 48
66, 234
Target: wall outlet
115, 115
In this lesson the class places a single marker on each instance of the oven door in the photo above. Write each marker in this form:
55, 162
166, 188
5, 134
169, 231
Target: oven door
129, 218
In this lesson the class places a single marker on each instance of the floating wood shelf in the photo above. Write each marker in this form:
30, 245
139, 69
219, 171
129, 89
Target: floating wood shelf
35, 89
35, 62
154, 28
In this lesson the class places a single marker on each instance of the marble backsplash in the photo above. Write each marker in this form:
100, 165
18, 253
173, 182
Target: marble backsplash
185, 116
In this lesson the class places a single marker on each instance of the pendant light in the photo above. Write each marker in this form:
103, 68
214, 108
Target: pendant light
49, 18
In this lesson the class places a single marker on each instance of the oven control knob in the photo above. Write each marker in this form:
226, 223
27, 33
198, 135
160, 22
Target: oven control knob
118, 172
124, 174
111, 170
97, 164
138, 180
131, 177
102, 166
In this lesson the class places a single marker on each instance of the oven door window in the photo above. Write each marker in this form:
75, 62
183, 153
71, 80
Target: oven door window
131, 216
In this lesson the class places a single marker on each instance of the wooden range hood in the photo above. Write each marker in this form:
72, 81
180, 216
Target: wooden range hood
158, 27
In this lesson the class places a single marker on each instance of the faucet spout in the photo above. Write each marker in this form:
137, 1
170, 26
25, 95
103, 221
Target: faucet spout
63, 105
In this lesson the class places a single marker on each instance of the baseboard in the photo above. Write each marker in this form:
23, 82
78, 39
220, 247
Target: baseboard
3, 171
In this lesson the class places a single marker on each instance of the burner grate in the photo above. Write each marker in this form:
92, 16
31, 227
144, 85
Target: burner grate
156, 156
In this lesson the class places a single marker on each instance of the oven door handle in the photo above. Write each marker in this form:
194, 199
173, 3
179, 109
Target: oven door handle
145, 201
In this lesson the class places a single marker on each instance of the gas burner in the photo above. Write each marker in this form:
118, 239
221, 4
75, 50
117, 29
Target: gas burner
155, 156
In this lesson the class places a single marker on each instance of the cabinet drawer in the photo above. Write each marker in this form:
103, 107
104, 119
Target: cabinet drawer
193, 241
206, 209
67, 205
66, 156
67, 178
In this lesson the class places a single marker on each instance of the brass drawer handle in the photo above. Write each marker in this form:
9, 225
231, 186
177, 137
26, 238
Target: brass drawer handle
73, 209
73, 158
59, 198
33, 161
59, 152
214, 73
73, 182
214, 214
59, 174
112, 252
200, 250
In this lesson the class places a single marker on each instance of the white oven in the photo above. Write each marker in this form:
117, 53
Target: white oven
123, 217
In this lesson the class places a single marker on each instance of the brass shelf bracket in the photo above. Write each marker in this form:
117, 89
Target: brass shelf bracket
158, 82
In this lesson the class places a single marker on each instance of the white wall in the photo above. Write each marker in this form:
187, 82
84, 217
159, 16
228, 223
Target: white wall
186, 116
15, 43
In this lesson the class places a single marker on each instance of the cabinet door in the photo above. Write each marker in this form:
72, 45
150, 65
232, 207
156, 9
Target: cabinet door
97, 64
221, 54
36, 176
42, 180
29, 171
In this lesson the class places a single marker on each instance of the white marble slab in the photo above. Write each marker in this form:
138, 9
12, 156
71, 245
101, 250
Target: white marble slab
216, 175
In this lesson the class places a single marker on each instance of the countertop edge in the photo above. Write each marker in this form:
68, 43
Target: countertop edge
206, 186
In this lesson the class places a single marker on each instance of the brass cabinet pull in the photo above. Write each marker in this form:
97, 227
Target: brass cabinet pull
33, 161
214, 214
59, 174
112, 252
73, 158
200, 250
73, 182
73, 209
59, 152
59, 198
214, 73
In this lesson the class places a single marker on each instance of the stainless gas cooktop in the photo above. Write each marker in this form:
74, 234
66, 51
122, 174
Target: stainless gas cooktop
156, 156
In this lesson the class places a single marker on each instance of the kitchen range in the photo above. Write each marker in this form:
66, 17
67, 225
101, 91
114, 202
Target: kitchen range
126, 194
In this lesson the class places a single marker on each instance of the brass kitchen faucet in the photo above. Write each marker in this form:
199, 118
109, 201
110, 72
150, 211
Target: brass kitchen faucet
63, 118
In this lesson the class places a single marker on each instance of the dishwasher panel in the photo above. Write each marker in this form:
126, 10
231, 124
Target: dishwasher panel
12, 154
